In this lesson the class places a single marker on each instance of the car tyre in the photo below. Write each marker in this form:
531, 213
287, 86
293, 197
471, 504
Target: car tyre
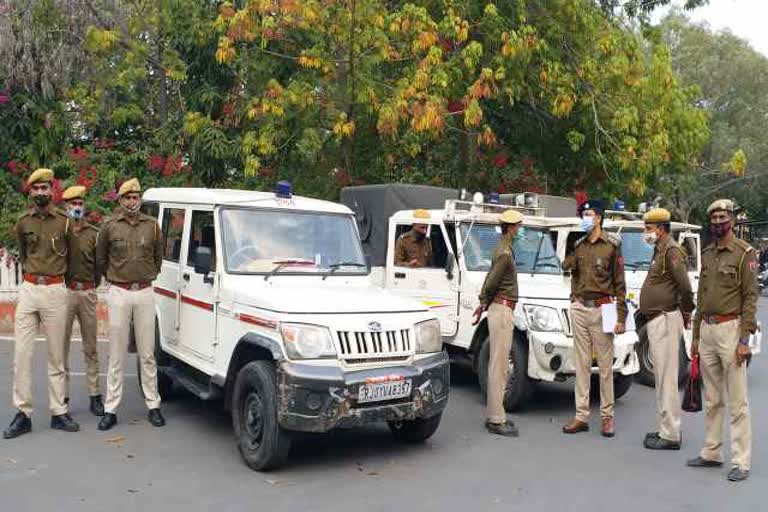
415, 431
262, 443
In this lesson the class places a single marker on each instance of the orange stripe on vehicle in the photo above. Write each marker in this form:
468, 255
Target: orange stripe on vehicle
198, 303
167, 293
255, 320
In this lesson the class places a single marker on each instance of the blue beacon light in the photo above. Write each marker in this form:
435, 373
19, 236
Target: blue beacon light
493, 198
284, 190
619, 205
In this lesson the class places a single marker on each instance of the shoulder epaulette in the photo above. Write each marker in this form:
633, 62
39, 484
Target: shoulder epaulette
613, 239
580, 241
744, 246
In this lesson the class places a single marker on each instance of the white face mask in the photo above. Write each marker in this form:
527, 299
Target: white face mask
650, 238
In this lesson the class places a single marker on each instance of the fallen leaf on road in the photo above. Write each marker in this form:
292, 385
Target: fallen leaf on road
372, 473
133, 490
12, 461
271, 482
116, 439
129, 456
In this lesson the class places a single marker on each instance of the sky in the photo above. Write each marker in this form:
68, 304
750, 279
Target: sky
747, 19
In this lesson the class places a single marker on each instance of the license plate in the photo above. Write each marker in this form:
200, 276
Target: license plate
384, 391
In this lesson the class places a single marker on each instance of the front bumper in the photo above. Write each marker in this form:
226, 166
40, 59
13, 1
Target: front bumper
551, 355
318, 399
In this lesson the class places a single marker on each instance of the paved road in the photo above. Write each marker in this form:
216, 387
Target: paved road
192, 464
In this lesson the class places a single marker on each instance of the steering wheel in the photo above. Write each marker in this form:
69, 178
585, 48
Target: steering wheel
240, 254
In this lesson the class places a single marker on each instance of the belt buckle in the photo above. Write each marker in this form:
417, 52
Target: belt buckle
39, 279
134, 287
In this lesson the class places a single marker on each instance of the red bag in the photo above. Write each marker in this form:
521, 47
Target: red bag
692, 395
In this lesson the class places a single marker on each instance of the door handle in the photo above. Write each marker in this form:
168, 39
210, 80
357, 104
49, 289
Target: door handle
399, 275
185, 276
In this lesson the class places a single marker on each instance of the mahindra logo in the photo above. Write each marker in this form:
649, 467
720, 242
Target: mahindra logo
374, 326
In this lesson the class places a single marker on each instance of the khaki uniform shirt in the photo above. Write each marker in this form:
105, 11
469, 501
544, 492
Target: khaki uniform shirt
501, 279
728, 285
130, 248
667, 287
410, 247
43, 242
597, 270
82, 253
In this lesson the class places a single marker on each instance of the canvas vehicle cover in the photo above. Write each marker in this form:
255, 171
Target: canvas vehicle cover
375, 204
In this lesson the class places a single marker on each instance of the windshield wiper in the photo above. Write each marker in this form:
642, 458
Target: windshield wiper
336, 266
280, 265
536, 259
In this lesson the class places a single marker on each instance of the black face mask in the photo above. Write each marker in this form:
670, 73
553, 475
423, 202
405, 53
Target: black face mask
720, 230
418, 235
42, 200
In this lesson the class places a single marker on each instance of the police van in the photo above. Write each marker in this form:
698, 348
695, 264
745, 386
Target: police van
463, 234
264, 302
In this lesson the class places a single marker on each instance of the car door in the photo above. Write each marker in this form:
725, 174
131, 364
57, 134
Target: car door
198, 293
167, 285
436, 286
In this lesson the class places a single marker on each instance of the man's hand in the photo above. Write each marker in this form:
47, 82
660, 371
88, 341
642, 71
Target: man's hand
619, 328
743, 353
477, 314
413, 263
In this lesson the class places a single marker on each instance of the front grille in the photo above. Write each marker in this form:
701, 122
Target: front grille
373, 344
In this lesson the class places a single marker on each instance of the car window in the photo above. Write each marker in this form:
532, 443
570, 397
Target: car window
201, 234
173, 230
440, 249
534, 251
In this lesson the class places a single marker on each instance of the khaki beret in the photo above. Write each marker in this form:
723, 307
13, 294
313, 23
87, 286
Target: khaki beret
74, 192
421, 214
40, 175
511, 217
131, 185
721, 204
656, 215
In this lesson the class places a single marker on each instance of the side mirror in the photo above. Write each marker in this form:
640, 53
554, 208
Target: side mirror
450, 263
204, 262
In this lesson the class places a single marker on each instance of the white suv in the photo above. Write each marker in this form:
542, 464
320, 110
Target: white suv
264, 301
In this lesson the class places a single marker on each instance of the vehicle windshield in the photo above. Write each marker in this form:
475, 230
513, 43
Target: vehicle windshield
534, 252
272, 241
637, 254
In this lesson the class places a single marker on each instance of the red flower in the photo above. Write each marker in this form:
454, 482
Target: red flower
104, 143
4, 98
155, 163
78, 155
581, 197
455, 106
87, 177
500, 160
110, 196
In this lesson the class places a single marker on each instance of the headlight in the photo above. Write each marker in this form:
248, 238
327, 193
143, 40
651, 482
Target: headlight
542, 318
305, 341
428, 337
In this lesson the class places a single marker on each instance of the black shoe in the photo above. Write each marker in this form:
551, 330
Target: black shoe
66, 400
699, 462
97, 406
20, 425
108, 421
736, 474
155, 417
650, 435
64, 422
506, 429
659, 443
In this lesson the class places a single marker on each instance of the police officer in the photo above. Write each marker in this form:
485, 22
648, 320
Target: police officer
129, 252
413, 248
724, 319
666, 303
82, 280
499, 297
42, 238
597, 279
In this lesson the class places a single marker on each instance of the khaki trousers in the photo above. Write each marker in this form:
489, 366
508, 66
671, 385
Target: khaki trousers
46, 306
589, 338
664, 333
723, 378
125, 305
81, 304
501, 323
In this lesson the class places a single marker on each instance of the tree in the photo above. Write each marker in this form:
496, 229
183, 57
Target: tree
731, 80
